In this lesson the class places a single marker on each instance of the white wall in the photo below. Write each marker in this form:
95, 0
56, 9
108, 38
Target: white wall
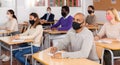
100, 15
23, 11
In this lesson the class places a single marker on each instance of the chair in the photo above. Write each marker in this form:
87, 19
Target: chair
27, 55
23, 27
100, 52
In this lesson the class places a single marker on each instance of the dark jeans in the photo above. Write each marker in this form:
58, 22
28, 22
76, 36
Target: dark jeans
107, 56
19, 54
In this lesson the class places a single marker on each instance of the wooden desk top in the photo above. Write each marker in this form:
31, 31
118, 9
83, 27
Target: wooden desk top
24, 23
4, 31
44, 58
115, 45
11, 42
55, 32
49, 22
92, 27
100, 23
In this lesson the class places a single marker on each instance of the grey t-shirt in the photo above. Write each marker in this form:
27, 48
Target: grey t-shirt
78, 45
91, 19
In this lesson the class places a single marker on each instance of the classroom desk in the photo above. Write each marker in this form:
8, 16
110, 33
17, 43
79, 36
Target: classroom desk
24, 23
114, 45
8, 44
4, 32
45, 59
55, 32
53, 35
47, 24
92, 27
100, 23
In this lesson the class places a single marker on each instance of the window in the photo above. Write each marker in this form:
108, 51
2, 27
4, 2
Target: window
40, 3
55, 2
33, 3
7, 3
71, 3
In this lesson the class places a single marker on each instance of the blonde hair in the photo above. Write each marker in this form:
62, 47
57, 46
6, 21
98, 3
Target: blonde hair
115, 13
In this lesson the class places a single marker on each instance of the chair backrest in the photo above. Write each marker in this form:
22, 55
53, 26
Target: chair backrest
23, 27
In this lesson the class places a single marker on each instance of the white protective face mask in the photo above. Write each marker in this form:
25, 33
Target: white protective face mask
48, 11
8, 16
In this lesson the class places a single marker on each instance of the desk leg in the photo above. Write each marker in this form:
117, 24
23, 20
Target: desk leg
0, 53
0, 49
32, 52
102, 58
112, 57
11, 58
48, 40
35, 62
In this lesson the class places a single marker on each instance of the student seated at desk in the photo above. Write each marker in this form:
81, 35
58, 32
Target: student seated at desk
65, 21
48, 17
12, 24
78, 43
91, 18
34, 32
110, 29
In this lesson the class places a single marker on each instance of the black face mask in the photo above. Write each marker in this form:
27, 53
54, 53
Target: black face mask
76, 25
90, 11
31, 22
63, 14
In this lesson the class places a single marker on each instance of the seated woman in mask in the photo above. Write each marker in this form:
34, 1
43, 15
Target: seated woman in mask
110, 30
11, 24
91, 18
35, 32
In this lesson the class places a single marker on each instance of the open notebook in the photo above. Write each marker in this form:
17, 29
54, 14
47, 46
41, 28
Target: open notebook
18, 40
105, 41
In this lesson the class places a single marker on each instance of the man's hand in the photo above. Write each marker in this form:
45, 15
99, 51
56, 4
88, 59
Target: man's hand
54, 29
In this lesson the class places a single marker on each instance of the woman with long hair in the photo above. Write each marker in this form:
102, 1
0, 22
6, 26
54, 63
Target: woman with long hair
34, 32
12, 24
111, 30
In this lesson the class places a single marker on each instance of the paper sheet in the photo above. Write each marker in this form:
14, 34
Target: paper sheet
51, 54
18, 40
105, 41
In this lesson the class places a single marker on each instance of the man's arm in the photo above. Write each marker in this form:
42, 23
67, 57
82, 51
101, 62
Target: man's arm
84, 51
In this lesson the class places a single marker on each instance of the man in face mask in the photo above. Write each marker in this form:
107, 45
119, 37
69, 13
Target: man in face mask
78, 22
65, 21
78, 43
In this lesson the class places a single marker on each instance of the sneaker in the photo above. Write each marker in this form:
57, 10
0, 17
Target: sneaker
2, 56
6, 58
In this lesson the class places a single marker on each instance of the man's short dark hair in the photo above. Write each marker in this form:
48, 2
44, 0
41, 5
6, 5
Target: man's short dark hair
66, 8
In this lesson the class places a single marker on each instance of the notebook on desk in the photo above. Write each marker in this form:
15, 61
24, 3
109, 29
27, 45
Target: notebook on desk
105, 41
18, 40
51, 54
